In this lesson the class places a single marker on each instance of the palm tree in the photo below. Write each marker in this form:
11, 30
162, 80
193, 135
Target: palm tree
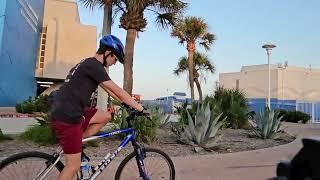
193, 30
201, 64
133, 21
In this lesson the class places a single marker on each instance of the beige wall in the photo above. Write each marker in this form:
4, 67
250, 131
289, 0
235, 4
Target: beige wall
67, 41
292, 83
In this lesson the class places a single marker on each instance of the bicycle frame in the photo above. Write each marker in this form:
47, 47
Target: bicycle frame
110, 156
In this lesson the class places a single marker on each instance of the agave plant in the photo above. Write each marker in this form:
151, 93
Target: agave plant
203, 129
267, 124
164, 117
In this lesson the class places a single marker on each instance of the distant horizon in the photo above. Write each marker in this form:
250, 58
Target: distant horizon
241, 29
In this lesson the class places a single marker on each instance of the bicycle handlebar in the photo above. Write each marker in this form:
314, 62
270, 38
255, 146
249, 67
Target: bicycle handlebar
133, 113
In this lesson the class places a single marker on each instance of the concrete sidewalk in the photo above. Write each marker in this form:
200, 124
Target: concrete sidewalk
249, 165
16, 125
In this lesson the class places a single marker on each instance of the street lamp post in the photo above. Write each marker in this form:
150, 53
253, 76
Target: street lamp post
282, 68
268, 48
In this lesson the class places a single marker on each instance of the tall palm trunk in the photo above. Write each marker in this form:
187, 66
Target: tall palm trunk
128, 65
196, 80
107, 19
104, 100
191, 49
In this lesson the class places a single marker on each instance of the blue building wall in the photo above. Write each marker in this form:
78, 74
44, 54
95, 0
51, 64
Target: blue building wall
258, 104
167, 103
21, 25
2, 17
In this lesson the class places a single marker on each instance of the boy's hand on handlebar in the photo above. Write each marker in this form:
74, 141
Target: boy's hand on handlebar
144, 112
125, 105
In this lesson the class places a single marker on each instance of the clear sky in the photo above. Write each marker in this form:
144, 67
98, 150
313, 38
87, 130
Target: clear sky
241, 27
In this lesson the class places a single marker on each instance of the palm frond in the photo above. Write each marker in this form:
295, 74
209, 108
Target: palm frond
93, 3
193, 29
207, 40
182, 66
201, 63
165, 20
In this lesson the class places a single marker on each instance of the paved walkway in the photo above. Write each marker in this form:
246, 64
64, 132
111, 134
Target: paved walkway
249, 165
258, 164
16, 125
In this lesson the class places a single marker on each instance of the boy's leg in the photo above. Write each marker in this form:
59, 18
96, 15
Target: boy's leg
97, 119
70, 139
72, 166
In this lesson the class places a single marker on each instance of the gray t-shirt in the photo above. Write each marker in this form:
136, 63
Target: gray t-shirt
74, 95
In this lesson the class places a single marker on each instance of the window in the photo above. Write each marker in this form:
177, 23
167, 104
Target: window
42, 47
237, 83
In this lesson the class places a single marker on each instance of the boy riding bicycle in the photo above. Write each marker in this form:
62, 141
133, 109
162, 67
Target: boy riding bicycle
70, 115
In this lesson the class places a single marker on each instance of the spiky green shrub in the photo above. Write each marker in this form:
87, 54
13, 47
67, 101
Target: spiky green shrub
267, 124
202, 130
178, 127
233, 104
164, 118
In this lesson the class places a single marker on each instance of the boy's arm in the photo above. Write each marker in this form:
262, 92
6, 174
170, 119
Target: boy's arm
113, 95
121, 94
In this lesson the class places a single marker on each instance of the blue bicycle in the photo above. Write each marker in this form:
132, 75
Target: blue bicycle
142, 163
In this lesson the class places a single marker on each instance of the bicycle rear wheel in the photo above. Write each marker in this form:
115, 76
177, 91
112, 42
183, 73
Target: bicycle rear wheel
28, 165
158, 165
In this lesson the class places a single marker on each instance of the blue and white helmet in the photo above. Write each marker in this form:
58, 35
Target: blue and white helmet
115, 45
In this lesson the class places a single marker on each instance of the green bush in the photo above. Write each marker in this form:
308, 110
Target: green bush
232, 104
39, 104
294, 116
41, 135
184, 110
43, 120
19, 107
28, 107
146, 129
41, 132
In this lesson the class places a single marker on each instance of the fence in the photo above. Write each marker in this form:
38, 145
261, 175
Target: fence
310, 107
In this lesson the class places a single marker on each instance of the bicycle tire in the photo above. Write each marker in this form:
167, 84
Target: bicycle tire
146, 150
25, 155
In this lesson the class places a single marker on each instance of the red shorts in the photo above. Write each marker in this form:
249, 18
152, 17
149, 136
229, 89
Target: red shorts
70, 135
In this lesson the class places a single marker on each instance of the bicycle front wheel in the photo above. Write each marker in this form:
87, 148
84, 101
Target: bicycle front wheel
28, 165
158, 165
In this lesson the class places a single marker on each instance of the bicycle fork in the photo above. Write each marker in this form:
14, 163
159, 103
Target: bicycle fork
139, 158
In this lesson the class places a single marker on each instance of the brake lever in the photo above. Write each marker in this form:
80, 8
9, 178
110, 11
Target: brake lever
149, 118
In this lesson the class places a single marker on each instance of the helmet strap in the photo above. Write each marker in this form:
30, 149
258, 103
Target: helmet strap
105, 59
